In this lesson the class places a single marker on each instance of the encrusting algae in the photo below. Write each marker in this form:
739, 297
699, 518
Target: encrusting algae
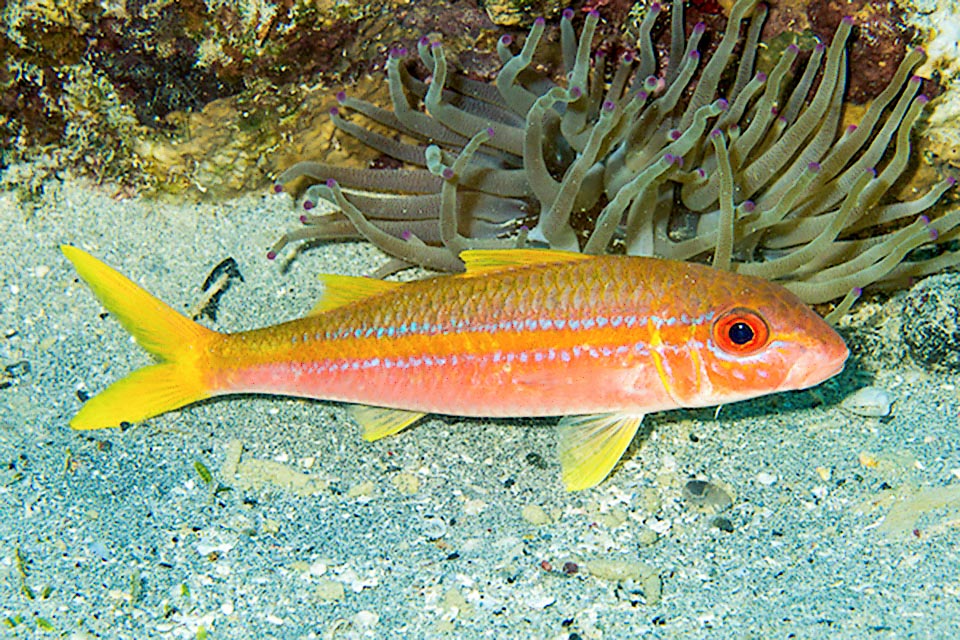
699, 161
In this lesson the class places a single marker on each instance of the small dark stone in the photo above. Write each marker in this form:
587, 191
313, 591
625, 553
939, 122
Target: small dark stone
724, 524
930, 327
536, 460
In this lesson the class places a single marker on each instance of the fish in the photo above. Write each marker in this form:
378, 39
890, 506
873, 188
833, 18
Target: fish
598, 341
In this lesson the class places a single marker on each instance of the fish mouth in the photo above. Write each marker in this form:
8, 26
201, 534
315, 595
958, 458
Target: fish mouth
817, 366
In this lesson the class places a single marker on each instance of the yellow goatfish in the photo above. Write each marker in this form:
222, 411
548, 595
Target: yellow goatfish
599, 340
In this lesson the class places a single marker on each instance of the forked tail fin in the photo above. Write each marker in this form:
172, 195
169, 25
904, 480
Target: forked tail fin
181, 346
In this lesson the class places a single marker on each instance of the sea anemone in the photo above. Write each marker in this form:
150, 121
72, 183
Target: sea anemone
751, 171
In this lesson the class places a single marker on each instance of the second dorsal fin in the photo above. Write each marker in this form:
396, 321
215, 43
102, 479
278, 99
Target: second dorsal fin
481, 261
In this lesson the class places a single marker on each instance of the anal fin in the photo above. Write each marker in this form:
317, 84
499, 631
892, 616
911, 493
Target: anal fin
591, 445
380, 422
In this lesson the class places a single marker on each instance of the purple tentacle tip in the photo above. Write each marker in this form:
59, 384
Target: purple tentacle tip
858, 291
700, 28
656, 7
722, 104
921, 51
609, 105
307, 205
424, 41
847, 20
761, 77
567, 14
749, 206
916, 79
506, 40
674, 134
575, 92
406, 235
627, 57
436, 45
716, 133
331, 183
872, 171
851, 128
278, 188
594, 14
694, 55
271, 255
821, 47
925, 219
334, 111
922, 99
447, 173
490, 131
793, 48
814, 167
934, 234
401, 51
669, 158
304, 219
540, 21
341, 96
951, 181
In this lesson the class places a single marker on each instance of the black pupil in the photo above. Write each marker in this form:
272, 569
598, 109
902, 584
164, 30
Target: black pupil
741, 333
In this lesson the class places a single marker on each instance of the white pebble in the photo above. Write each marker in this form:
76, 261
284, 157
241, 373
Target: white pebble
869, 402
433, 527
766, 479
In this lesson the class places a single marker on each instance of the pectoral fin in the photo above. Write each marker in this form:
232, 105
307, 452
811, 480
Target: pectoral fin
378, 422
591, 445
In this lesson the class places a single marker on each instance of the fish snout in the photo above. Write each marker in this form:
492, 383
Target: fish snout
817, 364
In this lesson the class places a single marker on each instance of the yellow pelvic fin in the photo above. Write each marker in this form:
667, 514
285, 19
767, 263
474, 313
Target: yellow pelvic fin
591, 446
178, 342
481, 261
340, 291
379, 422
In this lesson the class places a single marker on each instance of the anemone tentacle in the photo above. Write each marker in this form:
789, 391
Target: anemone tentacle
708, 160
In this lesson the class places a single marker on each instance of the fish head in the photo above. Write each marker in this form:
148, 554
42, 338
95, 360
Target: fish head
756, 338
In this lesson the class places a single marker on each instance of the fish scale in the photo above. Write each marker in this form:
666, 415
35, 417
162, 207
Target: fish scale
599, 340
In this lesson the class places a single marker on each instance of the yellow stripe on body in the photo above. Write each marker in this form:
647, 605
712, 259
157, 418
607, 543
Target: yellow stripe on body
656, 341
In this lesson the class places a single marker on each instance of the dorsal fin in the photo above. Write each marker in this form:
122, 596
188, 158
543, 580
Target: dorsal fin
481, 261
340, 290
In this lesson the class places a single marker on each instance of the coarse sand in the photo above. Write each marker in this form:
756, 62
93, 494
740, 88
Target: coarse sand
260, 517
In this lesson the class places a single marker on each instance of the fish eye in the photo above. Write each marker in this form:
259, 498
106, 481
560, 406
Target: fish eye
741, 331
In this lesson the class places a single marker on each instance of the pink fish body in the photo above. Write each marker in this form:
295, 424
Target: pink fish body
600, 340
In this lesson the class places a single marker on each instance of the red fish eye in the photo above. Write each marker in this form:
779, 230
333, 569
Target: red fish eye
740, 332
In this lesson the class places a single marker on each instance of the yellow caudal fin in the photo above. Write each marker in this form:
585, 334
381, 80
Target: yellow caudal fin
176, 341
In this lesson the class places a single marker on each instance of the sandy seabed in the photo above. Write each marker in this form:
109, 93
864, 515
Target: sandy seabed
269, 517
